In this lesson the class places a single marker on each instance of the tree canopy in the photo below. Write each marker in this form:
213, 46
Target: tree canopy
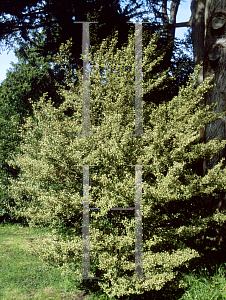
57, 19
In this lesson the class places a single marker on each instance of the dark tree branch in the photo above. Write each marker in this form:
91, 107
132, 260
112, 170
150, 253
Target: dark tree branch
174, 10
165, 18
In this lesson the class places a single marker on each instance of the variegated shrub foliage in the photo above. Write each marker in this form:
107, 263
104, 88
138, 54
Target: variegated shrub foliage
49, 189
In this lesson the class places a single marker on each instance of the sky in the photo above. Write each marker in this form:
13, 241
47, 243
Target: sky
183, 15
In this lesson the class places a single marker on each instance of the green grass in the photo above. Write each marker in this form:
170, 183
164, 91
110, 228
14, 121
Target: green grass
206, 287
24, 276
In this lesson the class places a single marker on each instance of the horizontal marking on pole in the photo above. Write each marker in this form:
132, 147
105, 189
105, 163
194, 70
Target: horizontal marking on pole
112, 208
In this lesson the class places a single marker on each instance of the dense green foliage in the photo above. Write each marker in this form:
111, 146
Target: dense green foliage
35, 74
32, 76
9, 144
48, 191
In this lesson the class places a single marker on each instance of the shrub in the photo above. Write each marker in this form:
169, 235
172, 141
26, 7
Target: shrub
48, 191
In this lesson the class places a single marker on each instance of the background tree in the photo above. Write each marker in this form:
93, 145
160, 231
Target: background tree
167, 18
32, 76
48, 191
9, 144
57, 19
181, 65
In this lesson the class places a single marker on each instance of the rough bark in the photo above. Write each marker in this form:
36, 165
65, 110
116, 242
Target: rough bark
198, 37
214, 63
209, 46
198, 29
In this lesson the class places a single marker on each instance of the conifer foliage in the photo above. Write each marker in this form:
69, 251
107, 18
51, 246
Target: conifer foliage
48, 191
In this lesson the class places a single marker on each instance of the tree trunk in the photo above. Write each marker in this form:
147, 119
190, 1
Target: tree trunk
214, 63
209, 45
159, 8
198, 37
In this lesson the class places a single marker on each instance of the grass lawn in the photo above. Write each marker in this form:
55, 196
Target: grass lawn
24, 276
